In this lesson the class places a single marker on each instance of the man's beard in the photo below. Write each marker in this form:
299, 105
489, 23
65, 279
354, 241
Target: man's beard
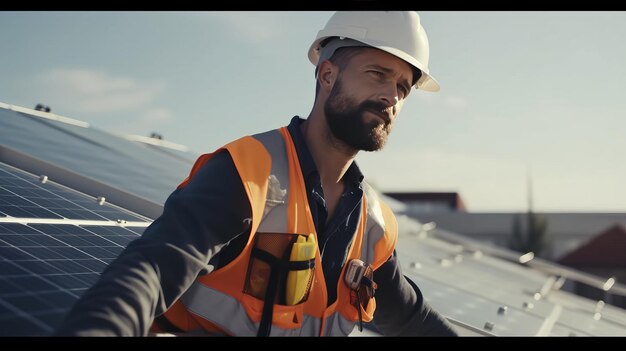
346, 121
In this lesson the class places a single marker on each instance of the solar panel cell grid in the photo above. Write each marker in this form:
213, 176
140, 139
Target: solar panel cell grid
22, 195
45, 268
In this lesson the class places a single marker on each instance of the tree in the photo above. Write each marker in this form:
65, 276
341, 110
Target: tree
530, 237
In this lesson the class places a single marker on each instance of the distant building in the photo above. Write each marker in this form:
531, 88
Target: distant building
603, 255
565, 231
430, 201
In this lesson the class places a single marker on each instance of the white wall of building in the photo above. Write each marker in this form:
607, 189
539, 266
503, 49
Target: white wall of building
566, 231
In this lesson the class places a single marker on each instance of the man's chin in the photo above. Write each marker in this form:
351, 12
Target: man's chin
373, 145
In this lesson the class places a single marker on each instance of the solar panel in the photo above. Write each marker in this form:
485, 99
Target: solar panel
45, 268
54, 243
477, 310
497, 296
130, 166
24, 195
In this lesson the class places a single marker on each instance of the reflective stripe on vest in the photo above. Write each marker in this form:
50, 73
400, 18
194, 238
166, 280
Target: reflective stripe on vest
236, 321
337, 325
275, 212
375, 223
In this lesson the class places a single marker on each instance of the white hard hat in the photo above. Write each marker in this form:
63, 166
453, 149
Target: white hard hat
396, 32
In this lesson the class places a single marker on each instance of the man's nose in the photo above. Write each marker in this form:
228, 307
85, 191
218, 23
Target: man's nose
390, 95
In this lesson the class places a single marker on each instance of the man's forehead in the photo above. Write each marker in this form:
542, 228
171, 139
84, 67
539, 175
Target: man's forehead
373, 56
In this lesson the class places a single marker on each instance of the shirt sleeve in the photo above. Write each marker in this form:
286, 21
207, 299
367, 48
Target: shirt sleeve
400, 306
155, 269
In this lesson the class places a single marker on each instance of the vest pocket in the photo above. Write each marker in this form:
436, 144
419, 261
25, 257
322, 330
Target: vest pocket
277, 274
279, 277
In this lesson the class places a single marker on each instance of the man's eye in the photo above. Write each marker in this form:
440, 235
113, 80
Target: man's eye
403, 91
378, 74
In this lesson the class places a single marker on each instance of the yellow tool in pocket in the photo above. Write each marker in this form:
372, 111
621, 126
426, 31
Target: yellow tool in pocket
298, 282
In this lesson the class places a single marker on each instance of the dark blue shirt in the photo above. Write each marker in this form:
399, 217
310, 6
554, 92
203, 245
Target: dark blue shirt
205, 225
334, 237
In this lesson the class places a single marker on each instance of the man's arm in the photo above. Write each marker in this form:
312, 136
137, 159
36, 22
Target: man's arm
400, 306
156, 269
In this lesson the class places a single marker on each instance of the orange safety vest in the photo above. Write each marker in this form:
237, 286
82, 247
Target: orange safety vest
224, 300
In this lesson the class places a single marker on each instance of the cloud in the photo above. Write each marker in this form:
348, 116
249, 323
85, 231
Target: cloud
254, 27
152, 120
91, 91
157, 115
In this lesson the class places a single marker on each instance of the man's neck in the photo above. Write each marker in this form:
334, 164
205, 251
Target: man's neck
332, 157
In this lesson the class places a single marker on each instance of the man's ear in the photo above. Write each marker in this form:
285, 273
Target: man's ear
326, 74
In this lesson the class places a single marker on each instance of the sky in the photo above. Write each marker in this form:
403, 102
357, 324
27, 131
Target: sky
524, 95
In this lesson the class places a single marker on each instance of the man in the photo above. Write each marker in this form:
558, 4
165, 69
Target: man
276, 233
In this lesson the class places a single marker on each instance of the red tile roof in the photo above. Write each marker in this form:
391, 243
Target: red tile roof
607, 249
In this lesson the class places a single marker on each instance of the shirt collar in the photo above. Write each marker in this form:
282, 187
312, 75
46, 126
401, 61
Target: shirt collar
307, 164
